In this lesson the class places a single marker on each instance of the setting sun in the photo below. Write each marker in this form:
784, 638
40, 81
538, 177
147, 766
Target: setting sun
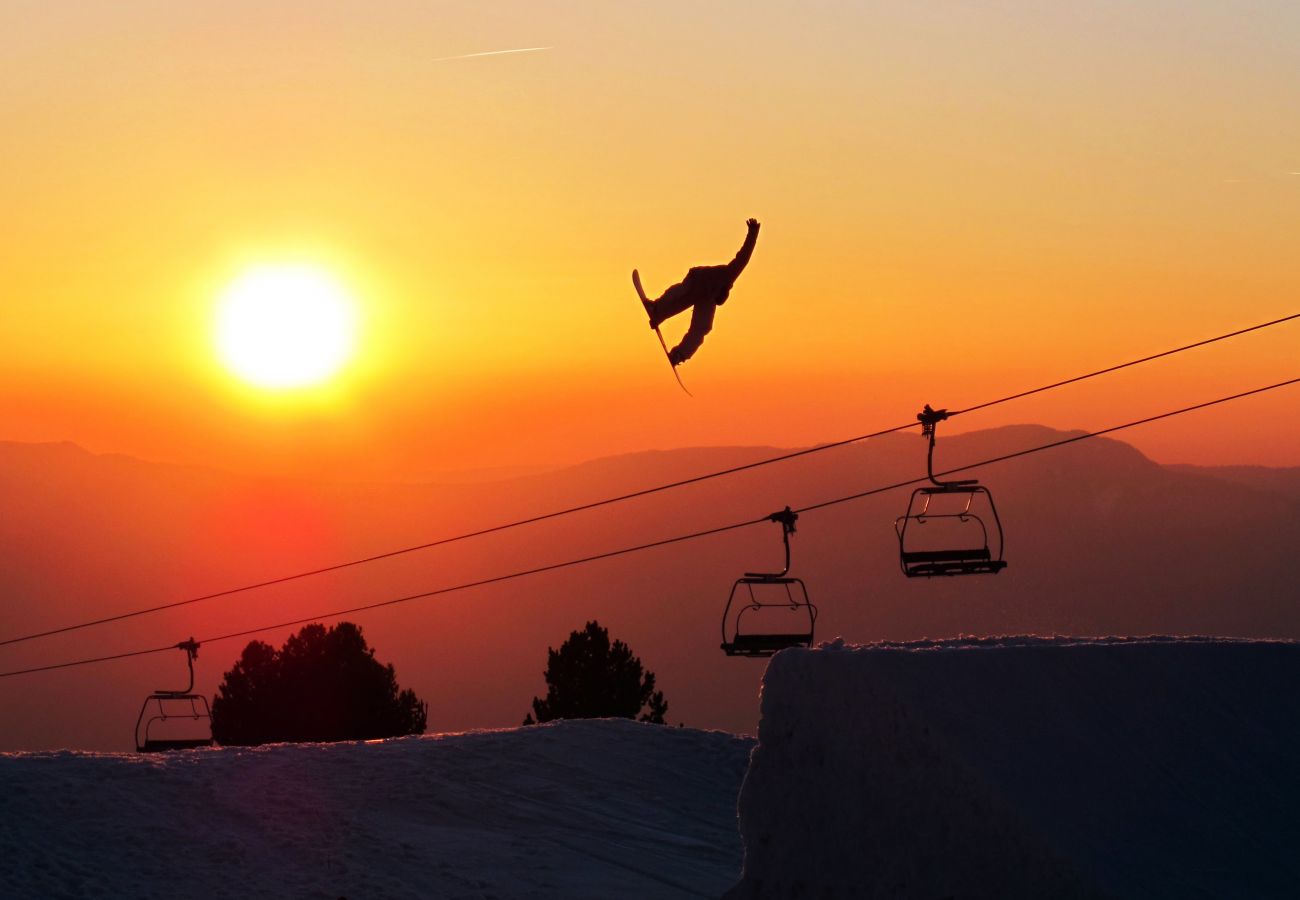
285, 326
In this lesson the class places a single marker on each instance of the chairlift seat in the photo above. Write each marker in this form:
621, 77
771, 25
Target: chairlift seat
765, 644
965, 486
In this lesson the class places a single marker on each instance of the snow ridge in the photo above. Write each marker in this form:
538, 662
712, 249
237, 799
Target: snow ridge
597, 809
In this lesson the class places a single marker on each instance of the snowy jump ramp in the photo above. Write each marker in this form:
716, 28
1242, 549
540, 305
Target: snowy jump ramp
1024, 767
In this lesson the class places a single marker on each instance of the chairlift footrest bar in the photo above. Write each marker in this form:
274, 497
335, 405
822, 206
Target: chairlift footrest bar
942, 569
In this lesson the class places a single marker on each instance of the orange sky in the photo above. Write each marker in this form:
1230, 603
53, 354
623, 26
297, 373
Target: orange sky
958, 202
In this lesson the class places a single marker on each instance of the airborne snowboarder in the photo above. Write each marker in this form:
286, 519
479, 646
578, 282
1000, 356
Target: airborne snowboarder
703, 290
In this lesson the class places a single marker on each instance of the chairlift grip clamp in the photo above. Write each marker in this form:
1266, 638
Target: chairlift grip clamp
786, 517
929, 417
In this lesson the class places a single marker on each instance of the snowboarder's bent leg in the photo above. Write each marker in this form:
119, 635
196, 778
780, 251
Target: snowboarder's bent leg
676, 299
701, 324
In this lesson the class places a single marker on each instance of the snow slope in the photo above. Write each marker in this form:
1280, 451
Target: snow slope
1022, 767
573, 809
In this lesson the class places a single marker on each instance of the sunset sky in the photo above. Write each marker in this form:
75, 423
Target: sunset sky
958, 201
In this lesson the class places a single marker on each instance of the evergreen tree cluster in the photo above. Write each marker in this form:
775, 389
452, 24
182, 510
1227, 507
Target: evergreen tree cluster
591, 678
322, 685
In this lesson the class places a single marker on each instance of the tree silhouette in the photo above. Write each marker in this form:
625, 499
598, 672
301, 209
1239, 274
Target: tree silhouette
323, 685
590, 678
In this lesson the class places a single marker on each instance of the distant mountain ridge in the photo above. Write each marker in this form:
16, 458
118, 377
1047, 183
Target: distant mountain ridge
1100, 540
1275, 480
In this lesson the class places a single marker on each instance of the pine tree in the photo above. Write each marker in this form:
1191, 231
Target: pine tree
590, 678
323, 685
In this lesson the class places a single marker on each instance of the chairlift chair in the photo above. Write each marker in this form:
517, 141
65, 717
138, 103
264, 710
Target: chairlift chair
960, 545
155, 726
772, 599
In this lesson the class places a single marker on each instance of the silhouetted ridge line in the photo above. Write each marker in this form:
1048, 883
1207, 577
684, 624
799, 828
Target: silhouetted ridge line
644, 492
610, 554
460, 537
1053, 444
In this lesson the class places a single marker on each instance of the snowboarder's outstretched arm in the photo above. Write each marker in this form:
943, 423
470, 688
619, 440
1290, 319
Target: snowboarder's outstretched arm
701, 324
737, 265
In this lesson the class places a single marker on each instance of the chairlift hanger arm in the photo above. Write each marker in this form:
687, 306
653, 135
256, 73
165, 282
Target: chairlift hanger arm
930, 419
786, 519
191, 648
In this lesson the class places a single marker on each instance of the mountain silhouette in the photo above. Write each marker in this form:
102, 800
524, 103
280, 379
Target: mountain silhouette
1099, 540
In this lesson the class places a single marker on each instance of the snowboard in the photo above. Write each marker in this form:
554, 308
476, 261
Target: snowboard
640, 292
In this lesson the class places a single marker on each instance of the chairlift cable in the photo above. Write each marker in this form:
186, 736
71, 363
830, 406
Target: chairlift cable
505, 526
632, 495
1049, 446
672, 540
1130, 363
86, 662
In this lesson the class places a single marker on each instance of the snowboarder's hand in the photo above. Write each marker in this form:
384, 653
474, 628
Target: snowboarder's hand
752, 223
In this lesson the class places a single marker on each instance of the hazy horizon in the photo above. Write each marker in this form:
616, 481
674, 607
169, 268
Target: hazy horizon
521, 469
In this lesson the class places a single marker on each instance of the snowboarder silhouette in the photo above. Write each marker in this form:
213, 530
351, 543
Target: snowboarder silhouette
703, 290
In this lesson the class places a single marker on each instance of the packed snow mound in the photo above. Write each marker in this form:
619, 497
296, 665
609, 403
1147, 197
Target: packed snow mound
602, 808
1026, 767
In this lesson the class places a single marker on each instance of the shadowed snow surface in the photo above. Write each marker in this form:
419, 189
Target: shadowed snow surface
577, 809
1027, 767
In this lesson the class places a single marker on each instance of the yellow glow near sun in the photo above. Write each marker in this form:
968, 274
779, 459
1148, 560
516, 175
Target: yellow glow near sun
287, 326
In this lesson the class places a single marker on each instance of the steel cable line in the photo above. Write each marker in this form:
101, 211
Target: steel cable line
393, 602
609, 554
1132, 362
460, 537
1053, 444
644, 492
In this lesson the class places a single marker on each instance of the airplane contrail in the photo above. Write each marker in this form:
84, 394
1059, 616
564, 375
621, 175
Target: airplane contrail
492, 53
